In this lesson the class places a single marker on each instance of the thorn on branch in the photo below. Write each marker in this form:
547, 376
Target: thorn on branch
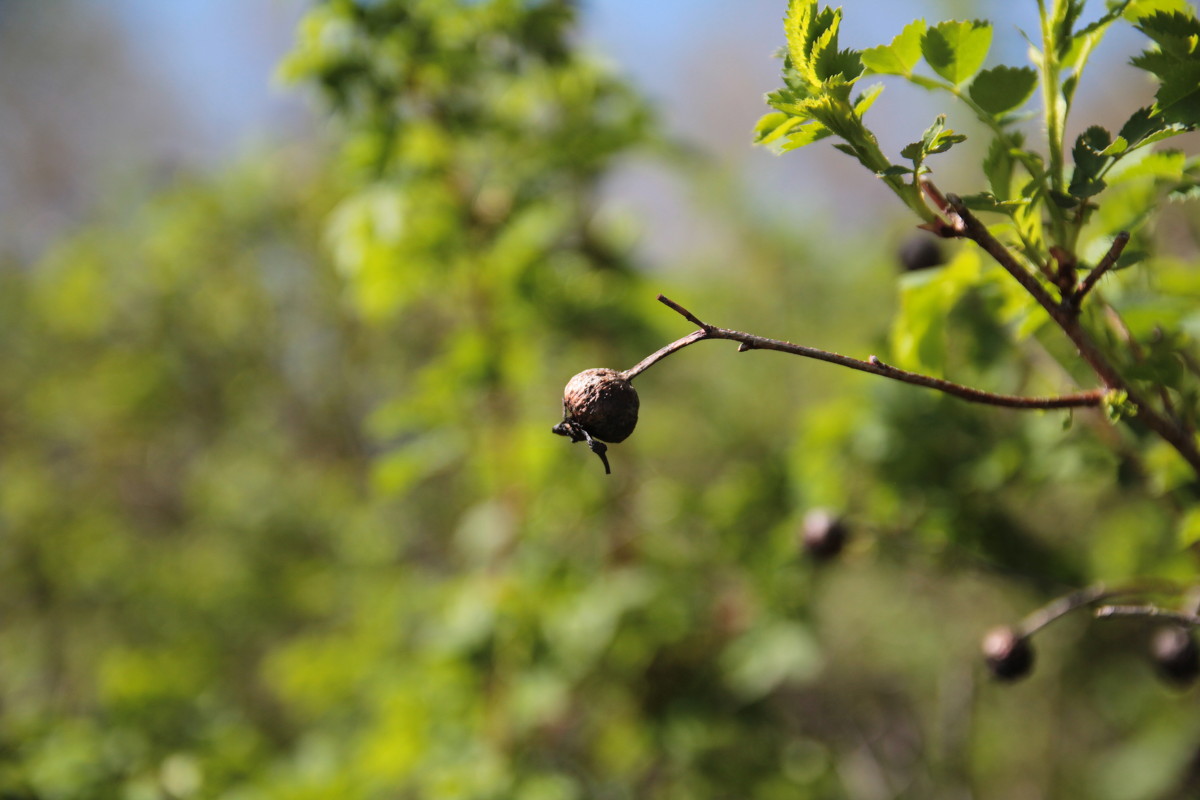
951, 226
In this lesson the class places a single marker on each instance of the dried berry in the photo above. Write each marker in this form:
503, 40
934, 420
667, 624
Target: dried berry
603, 403
1175, 654
599, 405
823, 534
1008, 654
920, 252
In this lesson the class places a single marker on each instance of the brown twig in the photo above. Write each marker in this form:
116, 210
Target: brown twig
1062, 606
749, 341
1183, 618
1108, 262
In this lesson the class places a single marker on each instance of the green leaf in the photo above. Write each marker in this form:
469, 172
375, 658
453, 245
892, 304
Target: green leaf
1002, 89
1140, 125
1117, 406
936, 139
1175, 33
956, 50
867, 99
1084, 41
774, 126
1136, 9
899, 57
1176, 63
1178, 99
805, 134
1090, 162
1062, 27
812, 44
999, 163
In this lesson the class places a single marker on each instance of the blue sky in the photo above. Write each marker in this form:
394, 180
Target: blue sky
220, 53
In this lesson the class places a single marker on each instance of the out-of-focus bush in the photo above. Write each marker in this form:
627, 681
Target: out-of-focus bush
281, 515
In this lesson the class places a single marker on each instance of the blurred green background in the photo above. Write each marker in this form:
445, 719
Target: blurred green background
289, 295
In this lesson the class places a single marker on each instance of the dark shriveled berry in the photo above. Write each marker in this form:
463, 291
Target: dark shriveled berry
920, 252
823, 534
1176, 656
1009, 655
602, 403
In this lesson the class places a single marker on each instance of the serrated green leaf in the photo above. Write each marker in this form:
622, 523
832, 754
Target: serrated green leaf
1136, 9
956, 50
844, 64
1178, 99
804, 135
1089, 162
867, 99
774, 126
812, 44
1001, 89
1175, 62
1145, 128
899, 57
1118, 147
895, 170
1176, 33
1140, 125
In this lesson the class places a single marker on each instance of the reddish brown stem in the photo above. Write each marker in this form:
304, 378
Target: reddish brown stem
1108, 262
873, 365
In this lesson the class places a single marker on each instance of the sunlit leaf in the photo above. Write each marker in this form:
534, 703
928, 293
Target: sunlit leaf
956, 50
1002, 89
899, 57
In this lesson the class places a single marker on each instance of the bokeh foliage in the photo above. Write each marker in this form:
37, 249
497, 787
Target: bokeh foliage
281, 515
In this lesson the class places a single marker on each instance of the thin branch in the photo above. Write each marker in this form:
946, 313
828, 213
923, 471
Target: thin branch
1108, 262
663, 352
1062, 606
1108, 612
874, 366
